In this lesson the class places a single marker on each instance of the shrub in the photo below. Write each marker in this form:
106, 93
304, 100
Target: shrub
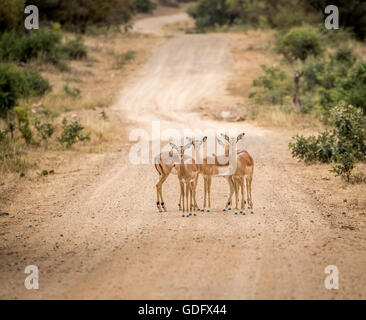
345, 164
300, 43
312, 149
323, 77
23, 124
3, 134
72, 92
345, 144
34, 85
274, 86
208, 13
72, 133
76, 15
349, 88
44, 124
121, 59
37, 44
9, 84
75, 49
16, 83
146, 6
11, 14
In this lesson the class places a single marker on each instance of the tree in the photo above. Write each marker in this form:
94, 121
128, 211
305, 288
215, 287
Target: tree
78, 14
300, 43
11, 14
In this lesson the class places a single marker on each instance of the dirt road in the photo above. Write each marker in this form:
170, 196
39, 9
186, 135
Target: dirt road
108, 241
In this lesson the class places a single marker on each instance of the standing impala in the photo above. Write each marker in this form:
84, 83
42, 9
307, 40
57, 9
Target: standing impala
209, 167
187, 175
164, 164
242, 171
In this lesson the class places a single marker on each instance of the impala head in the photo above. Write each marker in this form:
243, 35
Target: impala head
197, 142
231, 141
181, 149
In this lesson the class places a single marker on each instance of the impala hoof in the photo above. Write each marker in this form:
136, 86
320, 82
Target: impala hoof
235, 212
208, 210
195, 214
202, 210
252, 212
229, 208
183, 215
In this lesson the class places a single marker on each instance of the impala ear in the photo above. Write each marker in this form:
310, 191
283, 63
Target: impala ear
220, 141
240, 136
174, 146
225, 137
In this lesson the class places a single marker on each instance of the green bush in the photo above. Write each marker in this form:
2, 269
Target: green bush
72, 133
9, 88
11, 15
146, 6
274, 86
321, 80
208, 13
77, 15
300, 43
41, 44
24, 124
3, 134
121, 59
43, 123
345, 144
75, 49
348, 87
72, 92
33, 84
15, 83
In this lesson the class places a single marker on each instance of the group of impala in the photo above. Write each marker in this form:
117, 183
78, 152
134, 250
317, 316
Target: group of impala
236, 166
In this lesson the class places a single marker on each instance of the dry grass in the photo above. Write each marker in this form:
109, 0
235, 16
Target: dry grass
99, 83
96, 77
178, 27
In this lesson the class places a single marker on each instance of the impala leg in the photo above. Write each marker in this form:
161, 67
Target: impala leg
186, 199
193, 197
180, 201
195, 192
231, 185
158, 198
249, 196
209, 181
242, 195
159, 188
205, 193
182, 195
236, 185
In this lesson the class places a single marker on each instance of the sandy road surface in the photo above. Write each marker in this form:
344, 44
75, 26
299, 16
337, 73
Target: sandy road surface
109, 241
